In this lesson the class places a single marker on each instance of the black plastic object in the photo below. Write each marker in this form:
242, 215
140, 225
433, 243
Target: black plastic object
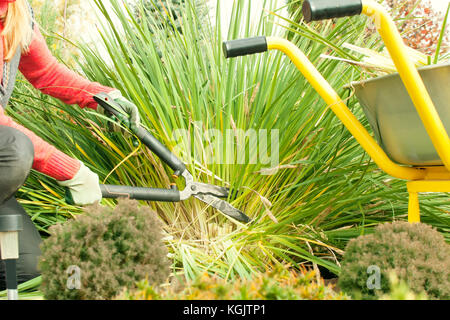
242, 47
139, 193
146, 137
160, 150
11, 223
11, 274
314, 10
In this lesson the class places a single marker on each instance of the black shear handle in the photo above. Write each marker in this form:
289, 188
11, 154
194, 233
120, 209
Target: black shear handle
139, 193
146, 137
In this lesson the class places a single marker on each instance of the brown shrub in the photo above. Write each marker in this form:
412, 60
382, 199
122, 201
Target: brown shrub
112, 247
416, 253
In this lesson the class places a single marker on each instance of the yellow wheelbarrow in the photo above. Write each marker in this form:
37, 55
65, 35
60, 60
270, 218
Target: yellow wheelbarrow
411, 129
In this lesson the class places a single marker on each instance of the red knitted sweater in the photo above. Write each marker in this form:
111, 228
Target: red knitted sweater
44, 72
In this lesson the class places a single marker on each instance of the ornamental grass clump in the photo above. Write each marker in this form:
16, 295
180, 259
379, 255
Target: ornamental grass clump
102, 251
416, 254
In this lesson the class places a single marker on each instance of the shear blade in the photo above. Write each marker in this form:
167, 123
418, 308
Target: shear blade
203, 188
224, 207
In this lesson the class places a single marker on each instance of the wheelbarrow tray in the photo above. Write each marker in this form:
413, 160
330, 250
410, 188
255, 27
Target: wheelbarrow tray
394, 120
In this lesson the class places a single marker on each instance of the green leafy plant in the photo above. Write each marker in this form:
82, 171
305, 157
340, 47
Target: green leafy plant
107, 248
415, 253
277, 284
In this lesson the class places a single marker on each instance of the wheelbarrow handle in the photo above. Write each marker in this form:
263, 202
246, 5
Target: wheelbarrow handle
314, 10
242, 47
140, 193
144, 136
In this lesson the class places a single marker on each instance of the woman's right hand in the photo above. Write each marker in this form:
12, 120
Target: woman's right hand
128, 108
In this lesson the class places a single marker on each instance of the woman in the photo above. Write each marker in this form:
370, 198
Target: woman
23, 48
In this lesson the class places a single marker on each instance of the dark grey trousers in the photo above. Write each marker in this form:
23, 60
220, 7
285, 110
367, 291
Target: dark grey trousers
16, 159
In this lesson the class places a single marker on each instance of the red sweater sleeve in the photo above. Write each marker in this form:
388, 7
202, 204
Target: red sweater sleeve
45, 73
47, 159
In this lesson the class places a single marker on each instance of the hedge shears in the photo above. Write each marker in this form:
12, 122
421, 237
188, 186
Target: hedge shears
209, 194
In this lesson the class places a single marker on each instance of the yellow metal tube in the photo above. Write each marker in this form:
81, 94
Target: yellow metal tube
413, 208
411, 79
415, 187
429, 186
437, 173
342, 112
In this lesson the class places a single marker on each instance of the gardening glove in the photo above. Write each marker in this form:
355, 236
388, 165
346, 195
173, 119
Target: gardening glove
128, 108
83, 188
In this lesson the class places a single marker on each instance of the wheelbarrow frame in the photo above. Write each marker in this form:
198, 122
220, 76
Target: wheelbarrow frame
420, 179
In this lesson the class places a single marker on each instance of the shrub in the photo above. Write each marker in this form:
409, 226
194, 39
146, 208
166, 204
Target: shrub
419, 24
416, 253
111, 247
279, 284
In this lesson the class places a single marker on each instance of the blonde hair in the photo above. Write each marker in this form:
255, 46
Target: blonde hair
17, 28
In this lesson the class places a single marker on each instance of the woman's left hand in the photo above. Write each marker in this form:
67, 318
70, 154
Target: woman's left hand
83, 188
